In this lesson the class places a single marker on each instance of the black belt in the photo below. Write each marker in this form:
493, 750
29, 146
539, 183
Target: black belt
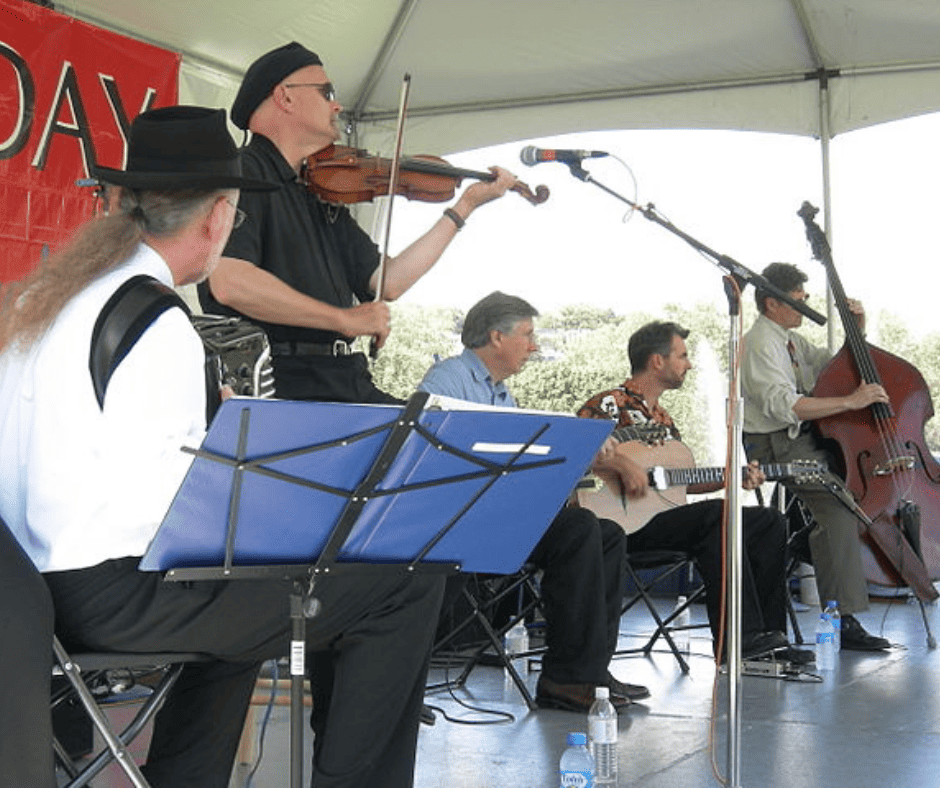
338, 347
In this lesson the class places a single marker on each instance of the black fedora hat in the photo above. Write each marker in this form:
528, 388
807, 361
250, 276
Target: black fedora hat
174, 148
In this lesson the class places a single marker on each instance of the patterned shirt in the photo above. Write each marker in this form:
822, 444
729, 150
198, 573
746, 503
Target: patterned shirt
627, 408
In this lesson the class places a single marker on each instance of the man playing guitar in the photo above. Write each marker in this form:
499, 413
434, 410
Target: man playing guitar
659, 360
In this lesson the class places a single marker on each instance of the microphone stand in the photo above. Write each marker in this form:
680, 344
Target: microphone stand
735, 281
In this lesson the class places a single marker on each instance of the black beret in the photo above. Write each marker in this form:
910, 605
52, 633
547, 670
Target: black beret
264, 74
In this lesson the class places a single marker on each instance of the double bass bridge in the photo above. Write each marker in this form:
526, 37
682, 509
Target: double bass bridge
895, 465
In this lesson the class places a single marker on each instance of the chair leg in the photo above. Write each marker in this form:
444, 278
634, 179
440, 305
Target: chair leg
791, 613
117, 747
661, 624
494, 636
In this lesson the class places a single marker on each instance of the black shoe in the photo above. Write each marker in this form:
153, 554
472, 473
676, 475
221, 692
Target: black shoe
757, 644
796, 656
632, 692
855, 638
571, 697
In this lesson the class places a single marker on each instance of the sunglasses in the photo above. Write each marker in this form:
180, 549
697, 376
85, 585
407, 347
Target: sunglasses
325, 89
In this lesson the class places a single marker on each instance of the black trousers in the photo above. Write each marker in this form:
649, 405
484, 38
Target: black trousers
696, 529
377, 629
26, 625
328, 379
581, 558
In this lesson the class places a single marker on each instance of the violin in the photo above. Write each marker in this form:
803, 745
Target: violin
341, 174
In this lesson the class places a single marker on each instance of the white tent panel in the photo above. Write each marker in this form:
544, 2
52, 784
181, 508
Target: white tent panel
486, 71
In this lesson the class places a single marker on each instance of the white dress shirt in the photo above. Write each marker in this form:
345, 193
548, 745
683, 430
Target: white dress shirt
80, 484
769, 376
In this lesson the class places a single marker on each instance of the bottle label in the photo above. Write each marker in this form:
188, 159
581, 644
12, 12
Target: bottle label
602, 730
825, 637
577, 780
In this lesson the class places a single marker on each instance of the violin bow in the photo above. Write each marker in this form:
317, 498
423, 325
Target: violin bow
392, 186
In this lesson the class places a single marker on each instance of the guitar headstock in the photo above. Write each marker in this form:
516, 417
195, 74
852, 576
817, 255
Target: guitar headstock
805, 471
651, 433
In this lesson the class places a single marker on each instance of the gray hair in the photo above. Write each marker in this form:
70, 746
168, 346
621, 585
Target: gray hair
495, 312
163, 213
28, 307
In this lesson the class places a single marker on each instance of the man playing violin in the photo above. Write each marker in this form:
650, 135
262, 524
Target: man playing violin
659, 360
778, 371
301, 267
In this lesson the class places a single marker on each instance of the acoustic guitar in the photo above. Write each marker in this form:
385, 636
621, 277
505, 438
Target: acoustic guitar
670, 471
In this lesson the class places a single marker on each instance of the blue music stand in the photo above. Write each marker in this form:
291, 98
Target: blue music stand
295, 489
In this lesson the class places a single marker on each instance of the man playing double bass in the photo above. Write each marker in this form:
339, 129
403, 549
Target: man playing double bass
778, 373
301, 267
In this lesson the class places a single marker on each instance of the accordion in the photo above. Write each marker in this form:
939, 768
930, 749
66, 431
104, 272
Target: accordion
238, 355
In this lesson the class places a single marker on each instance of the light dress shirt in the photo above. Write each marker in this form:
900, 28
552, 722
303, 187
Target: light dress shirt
466, 377
80, 484
768, 376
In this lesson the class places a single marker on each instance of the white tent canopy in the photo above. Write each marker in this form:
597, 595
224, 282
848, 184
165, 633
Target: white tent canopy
490, 71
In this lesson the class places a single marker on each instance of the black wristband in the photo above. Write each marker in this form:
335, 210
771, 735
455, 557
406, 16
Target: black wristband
455, 217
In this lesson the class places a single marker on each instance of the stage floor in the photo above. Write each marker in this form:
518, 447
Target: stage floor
874, 721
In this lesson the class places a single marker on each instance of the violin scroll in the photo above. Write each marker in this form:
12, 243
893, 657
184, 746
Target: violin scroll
541, 192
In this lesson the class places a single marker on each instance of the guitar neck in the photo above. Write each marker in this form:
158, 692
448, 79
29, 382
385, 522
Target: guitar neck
686, 477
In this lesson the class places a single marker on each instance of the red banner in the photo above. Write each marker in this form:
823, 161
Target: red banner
68, 93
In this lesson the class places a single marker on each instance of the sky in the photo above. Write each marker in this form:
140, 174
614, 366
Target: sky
735, 192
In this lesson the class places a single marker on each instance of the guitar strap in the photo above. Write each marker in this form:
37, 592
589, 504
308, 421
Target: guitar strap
122, 321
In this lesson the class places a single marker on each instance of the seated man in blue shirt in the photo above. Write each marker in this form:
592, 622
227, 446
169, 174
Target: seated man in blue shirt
581, 557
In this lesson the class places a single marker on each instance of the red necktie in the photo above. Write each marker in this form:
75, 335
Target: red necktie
791, 349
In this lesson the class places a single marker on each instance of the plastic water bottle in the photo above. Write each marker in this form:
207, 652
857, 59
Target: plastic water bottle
681, 622
832, 610
825, 644
576, 768
517, 642
602, 732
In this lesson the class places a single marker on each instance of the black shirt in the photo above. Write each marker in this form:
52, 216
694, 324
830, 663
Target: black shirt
315, 247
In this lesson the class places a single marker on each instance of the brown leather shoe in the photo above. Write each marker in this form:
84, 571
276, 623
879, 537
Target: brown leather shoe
632, 692
571, 697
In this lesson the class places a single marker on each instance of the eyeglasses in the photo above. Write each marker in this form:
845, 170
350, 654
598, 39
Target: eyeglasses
325, 89
240, 215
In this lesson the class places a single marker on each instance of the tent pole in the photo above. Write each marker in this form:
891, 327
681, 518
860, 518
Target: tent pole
825, 139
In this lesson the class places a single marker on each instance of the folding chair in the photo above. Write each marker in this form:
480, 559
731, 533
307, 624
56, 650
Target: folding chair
91, 679
799, 523
658, 566
87, 674
491, 606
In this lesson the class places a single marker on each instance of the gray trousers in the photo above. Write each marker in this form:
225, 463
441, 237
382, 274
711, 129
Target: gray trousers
834, 542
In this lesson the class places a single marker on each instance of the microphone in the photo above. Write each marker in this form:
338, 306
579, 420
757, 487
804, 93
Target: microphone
531, 155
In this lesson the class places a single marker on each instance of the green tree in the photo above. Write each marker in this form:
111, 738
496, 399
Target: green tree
584, 350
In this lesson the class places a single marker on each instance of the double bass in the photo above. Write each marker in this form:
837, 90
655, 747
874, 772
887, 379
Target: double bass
888, 469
